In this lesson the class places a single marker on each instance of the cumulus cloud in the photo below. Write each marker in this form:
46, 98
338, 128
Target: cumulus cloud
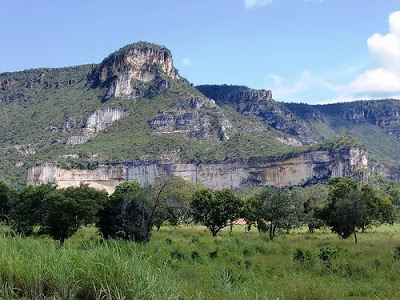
383, 81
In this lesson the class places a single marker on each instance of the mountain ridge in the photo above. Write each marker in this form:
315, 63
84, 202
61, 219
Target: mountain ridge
132, 106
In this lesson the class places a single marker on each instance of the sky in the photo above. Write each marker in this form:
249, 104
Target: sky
312, 51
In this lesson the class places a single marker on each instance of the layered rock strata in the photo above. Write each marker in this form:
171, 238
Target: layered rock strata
215, 176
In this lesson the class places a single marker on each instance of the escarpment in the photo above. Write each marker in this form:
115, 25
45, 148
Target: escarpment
289, 171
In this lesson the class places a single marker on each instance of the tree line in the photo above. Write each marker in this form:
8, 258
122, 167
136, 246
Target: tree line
133, 210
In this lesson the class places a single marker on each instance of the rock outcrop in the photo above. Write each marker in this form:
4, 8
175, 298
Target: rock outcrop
218, 175
131, 69
196, 116
259, 102
389, 172
234, 94
98, 122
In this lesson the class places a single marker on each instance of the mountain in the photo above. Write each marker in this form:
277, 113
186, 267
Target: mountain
134, 117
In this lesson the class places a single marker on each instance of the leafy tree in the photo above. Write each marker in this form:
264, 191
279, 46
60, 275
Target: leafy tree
8, 196
68, 209
133, 210
350, 208
345, 214
28, 211
377, 208
124, 213
274, 206
215, 210
314, 197
113, 216
175, 199
395, 195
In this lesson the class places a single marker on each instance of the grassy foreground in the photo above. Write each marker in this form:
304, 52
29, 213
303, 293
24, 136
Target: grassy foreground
188, 263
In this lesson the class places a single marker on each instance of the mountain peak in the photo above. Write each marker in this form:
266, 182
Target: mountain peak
139, 62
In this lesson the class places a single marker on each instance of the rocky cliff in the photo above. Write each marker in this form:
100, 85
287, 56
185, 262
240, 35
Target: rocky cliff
259, 103
97, 122
218, 175
130, 71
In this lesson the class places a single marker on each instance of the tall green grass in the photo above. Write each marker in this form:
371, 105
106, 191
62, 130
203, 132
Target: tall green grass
40, 269
188, 263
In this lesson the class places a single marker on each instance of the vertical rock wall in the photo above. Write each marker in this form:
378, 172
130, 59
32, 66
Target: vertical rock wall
215, 176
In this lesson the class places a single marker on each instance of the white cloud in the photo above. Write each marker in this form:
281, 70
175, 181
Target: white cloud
383, 81
186, 61
376, 82
254, 3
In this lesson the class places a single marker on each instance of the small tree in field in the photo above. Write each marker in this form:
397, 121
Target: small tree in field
216, 210
350, 209
274, 206
174, 202
125, 214
68, 209
133, 210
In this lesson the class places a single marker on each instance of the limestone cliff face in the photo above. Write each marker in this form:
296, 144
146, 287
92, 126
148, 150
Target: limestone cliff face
98, 122
139, 62
219, 175
388, 172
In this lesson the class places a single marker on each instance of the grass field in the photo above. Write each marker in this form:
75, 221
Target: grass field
188, 263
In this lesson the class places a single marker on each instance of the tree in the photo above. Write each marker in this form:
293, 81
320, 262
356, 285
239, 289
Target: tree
8, 197
345, 214
175, 199
126, 213
28, 210
112, 216
274, 206
379, 209
314, 197
215, 210
133, 210
68, 209
350, 208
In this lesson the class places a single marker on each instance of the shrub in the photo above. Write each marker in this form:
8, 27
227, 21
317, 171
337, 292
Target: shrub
303, 256
177, 255
213, 254
326, 254
195, 255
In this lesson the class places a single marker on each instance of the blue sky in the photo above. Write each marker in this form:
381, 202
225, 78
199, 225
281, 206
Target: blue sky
312, 51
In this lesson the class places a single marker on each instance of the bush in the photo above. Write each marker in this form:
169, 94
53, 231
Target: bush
195, 255
213, 254
326, 254
177, 255
303, 256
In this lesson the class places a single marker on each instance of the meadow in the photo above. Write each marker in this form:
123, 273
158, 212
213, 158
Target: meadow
186, 262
